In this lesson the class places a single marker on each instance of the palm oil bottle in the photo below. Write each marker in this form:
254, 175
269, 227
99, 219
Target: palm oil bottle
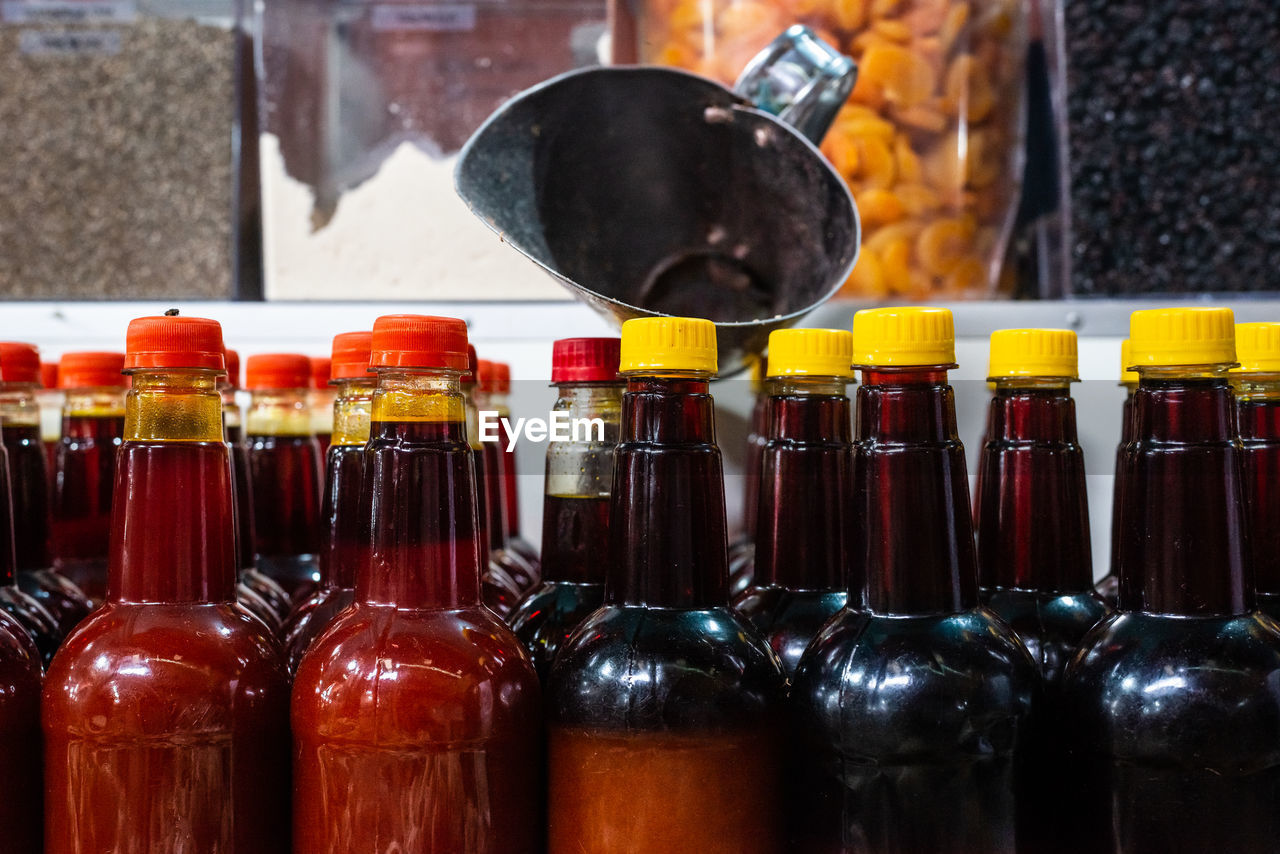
1035, 566
36, 620
805, 479
320, 400
344, 518
664, 707
575, 511
166, 711
30, 487
912, 703
1174, 699
85, 466
416, 715
284, 471
1257, 386
499, 400
1109, 585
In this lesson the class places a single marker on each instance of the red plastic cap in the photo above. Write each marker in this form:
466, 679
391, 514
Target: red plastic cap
320, 367
502, 377
174, 342
419, 341
277, 370
471, 374
350, 355
487, 373
233, 367
585, 360
19, 363
92, 370
49, 374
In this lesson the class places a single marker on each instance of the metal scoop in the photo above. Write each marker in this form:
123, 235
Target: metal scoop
649, 191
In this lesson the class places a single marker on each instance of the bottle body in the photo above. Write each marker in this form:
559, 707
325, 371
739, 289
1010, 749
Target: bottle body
35, 620
742, 550
1109, 585
21, 813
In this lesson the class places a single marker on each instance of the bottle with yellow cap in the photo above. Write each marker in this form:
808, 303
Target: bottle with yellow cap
170, 697
912, 701
1257, 387
1173, 701
806, 476
743, 547
1109, 585
1035, 567
664, 706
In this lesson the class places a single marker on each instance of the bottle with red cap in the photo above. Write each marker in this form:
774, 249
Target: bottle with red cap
524, 573
320, 400
30, 487
575, 511
256, 590
416, 715
50, 400
166, 712
499, 400
344, 513
285, 471
92, 427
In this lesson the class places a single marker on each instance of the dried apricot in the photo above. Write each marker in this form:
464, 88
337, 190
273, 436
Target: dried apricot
878, 167
925, 117
968, 277
953, 25
917, 199
849, 14
867, 279
878, 207
842, 151
905, 77
894, 31
895, 264
943, 245
908, 162
880, 239
883, 8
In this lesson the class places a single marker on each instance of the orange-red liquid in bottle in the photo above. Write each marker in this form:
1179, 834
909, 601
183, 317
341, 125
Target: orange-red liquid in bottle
1174, 699
344, 514
1257, 387
30, 487
85, 467
1034, 562
806, 475
664, 706
284, 471
575, 512
911, 703
416, 715
498, 400
166, 711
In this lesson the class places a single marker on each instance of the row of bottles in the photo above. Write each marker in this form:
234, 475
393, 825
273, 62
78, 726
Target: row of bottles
881, 683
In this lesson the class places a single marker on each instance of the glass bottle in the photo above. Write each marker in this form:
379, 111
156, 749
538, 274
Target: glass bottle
1035, 566
1174, 699
30, 487
31, 615
50, 400
523, 572
664, 707
20, 760
166, 711
575, 511
344, 518
806, 475
320, 399
85, 467
1109, 585
914, 694
417, 689
742, 551
285, 471
1257, 387
255, 590
499, 400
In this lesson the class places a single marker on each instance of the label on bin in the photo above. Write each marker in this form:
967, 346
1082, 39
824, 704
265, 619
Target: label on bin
68, 11
387, 17
70, 42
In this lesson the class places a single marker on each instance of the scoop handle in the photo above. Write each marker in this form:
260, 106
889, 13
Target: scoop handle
800, 79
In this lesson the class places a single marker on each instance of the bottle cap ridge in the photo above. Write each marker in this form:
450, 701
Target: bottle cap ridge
1048, 353
811, 352
668, 344
916, 336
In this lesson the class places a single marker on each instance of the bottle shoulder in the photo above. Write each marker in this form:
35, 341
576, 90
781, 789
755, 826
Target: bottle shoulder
1062, 619
788, 619
555, 603
632, 668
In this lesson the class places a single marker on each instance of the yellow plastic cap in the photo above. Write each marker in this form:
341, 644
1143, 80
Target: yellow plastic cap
904, 337
810, 352
1172, 337
1047, 353
1127, 377
668, 344
1258, 348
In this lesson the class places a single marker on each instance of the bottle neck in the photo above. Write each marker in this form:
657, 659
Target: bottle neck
425, 543
94, 403
320, 401
278, 412
806, 474
1033, 525
1258, 414
232, 416
668, 544
1181, 547
352, 412
913, 553
1258, 396
579, 482
8, 554
172, 538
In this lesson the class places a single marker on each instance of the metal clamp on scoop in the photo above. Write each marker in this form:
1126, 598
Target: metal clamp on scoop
651, 191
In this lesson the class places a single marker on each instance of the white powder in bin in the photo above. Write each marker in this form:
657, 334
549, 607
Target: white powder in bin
402, 234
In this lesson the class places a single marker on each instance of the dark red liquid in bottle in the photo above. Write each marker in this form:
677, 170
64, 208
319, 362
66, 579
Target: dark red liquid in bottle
1109, 585
255, 590
1259, 419
1035, 570
285, 473
911, 703
29, 481
664, 706
1175, 699
166, 712
742, 553
495, 500
31, 616
85, 479
801, 552
417, 689
21, 811
511, 494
